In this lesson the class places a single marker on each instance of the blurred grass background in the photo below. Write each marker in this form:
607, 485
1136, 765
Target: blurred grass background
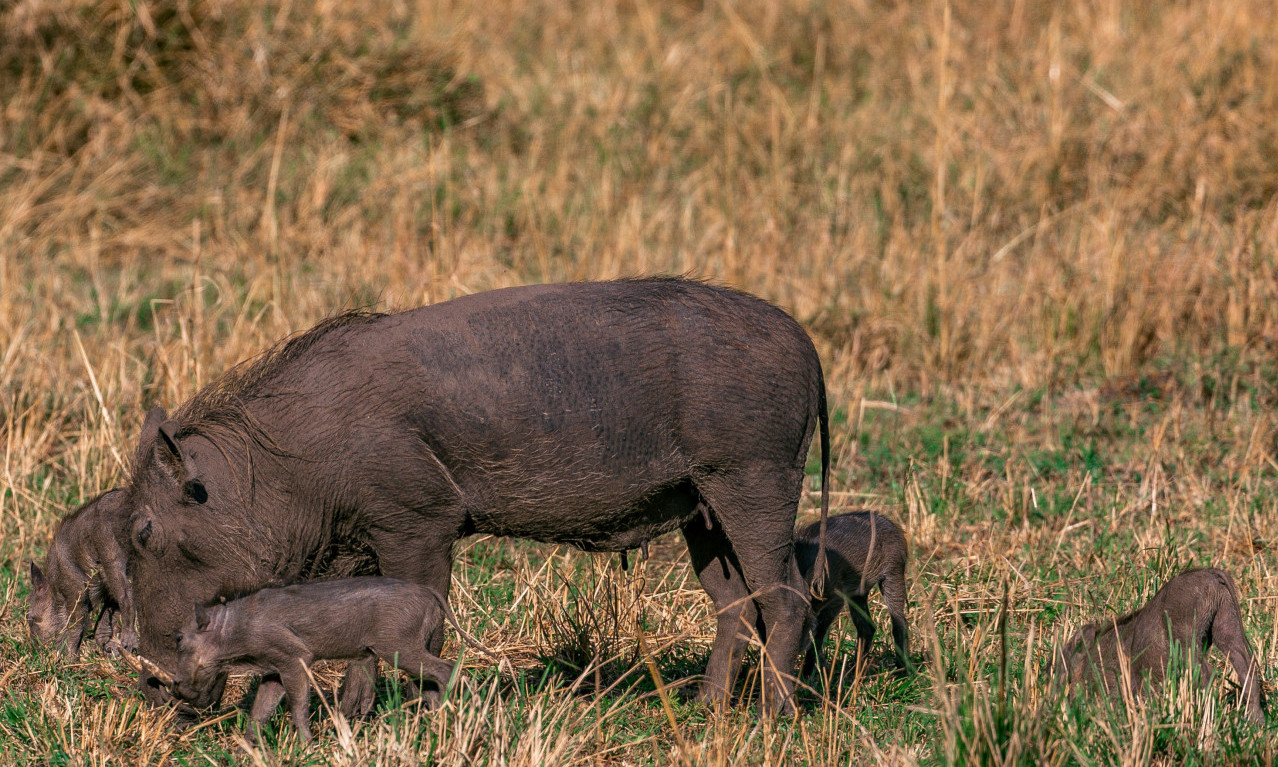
1034, 241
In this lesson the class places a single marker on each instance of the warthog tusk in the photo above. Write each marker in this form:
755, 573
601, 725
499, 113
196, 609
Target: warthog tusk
144, 666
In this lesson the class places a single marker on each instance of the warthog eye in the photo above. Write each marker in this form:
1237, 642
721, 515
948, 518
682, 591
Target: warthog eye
177, 640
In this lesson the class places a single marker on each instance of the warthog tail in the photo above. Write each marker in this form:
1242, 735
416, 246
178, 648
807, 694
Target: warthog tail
819, 567
466, 638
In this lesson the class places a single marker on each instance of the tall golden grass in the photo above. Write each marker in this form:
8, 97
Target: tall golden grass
956, 197
945, 191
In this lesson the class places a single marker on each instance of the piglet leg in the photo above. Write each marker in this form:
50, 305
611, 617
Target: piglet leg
269, 693
104, 631
359, 687
298, 690
291, 657
1227, 634
117, 586
826, 611
894, 593
859, 608
420, 665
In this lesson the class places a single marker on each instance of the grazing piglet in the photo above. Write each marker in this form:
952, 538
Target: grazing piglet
279, 632
1194, 610
864, 549
84, 573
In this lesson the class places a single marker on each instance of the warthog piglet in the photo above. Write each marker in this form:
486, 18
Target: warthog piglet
84, 574
279, 632
864, 550
1193, 611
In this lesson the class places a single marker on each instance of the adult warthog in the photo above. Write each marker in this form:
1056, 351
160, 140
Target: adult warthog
596, 414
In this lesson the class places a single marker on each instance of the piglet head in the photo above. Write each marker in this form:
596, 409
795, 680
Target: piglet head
58, 604
200, 674
1070, 662
41, 620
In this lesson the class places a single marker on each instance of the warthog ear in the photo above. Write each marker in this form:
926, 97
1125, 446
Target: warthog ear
201, 616
150, 432
167, 447
183, 467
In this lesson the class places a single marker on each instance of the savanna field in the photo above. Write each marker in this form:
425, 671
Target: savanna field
1035, 243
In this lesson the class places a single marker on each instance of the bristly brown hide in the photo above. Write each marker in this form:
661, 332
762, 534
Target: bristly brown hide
599, 415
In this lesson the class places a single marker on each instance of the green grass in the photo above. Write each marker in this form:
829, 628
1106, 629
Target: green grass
1050, 506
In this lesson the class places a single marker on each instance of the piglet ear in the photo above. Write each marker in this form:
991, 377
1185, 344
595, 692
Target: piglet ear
38, 580
112, 500
201, 616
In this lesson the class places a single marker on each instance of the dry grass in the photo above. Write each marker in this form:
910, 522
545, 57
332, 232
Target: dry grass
1036, 243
